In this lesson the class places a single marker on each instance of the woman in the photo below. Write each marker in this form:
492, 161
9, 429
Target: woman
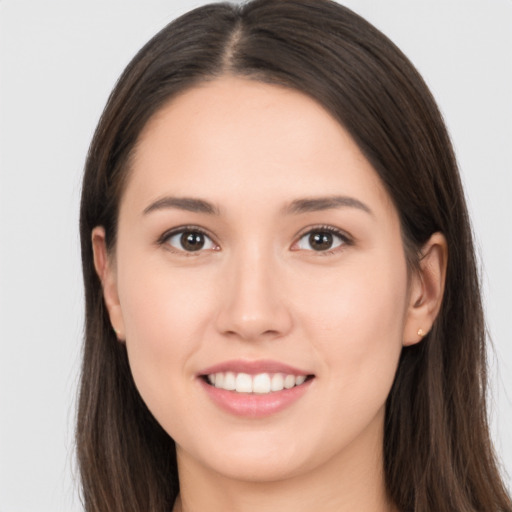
282, 302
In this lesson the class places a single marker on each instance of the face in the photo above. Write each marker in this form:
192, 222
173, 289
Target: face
259, 282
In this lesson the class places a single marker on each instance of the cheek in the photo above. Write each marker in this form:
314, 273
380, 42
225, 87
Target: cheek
162, 304
356, 319
165, 317
368, 293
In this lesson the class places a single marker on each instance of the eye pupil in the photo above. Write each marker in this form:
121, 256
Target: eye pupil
321, 241
192, 241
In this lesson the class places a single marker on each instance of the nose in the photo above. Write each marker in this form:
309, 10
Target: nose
253, 304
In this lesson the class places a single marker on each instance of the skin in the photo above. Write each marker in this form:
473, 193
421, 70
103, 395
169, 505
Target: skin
258, 290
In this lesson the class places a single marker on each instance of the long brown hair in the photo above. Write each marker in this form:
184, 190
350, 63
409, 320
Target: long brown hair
437, 452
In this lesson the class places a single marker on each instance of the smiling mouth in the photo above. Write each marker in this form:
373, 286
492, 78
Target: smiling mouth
260, 384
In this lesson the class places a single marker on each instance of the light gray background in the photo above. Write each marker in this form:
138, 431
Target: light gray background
58, 62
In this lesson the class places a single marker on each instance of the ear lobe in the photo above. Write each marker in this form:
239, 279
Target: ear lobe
107, 275
426, 289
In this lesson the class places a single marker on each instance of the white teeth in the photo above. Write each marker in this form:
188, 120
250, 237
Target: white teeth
262, 383
229, 381
277, 383
299, 380
219, 380
289, 381
243, 383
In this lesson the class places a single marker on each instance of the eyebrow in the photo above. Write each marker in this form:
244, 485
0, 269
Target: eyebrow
188, 204
296, 207
316, 204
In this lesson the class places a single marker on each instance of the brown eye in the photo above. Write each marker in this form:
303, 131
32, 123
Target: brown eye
321, 240
190, 240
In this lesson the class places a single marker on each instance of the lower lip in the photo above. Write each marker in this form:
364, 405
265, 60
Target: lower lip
253, 405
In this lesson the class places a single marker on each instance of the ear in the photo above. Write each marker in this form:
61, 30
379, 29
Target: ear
426, 289
106, 272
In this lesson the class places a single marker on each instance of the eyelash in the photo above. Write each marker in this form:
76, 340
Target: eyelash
344, 238
164, 240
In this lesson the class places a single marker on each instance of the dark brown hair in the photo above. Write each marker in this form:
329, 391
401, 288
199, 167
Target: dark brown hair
437, 452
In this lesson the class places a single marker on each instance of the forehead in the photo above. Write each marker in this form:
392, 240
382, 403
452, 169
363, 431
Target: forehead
233, 136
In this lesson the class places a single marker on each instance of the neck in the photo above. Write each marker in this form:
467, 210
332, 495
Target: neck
352, 480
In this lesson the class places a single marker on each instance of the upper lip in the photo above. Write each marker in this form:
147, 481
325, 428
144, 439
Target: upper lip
253, 367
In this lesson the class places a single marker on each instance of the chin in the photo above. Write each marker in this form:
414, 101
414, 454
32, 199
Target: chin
255, 468
251, 458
